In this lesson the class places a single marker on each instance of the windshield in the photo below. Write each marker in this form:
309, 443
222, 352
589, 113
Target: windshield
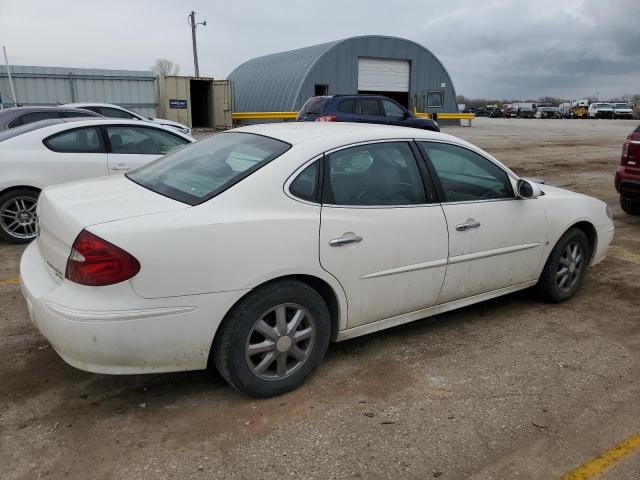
603, 105
202, 170
622, 105
315, 106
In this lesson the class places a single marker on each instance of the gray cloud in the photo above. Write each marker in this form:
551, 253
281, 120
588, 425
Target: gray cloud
495, 48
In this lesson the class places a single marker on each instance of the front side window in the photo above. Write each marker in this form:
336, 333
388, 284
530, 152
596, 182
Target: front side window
142, 140
375, 174
435, 99
80, 140
467, 176
369, 106
76, 114
202, 170
392, 109
115, 113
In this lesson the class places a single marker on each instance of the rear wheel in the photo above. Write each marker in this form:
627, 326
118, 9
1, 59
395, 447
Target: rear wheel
566, 266
18, 215
630, 206
273, 339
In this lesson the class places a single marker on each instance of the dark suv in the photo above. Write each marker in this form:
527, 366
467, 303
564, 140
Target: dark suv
362, 109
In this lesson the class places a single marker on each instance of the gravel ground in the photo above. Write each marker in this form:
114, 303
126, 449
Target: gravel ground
510, 388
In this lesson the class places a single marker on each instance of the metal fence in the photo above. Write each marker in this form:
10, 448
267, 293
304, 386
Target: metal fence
35, 85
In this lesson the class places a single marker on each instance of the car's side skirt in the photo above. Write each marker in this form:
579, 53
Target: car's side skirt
428, 312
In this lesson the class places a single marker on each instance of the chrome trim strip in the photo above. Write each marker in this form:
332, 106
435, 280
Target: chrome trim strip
407, 268
77, 315
491, 253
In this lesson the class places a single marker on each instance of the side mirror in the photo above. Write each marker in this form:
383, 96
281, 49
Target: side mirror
527, 189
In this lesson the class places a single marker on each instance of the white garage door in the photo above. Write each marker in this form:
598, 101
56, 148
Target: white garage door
380, 75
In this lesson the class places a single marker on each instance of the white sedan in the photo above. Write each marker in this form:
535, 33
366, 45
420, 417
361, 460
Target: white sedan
53, 151
110, 110
252, 249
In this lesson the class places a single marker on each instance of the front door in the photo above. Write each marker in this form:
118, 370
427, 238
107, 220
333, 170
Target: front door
495, 239
381, 236
369, 110
134, 146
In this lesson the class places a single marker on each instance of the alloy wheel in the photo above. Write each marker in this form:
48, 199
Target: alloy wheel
280, 341
18, 217
569, 266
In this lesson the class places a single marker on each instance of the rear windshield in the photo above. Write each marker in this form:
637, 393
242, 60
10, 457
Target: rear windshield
14, 132
315, 105
197, 172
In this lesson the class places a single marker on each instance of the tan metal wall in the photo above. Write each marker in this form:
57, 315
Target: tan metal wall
174, 88
222, 104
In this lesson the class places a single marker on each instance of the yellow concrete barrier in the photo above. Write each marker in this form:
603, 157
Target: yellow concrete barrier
294, 115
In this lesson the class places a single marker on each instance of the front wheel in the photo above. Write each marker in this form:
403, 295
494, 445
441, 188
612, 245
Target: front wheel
630, 206
273, 339
18, 215
565, 268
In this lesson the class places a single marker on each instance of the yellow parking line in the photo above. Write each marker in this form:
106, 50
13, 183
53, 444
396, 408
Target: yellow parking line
10, 281
595, 466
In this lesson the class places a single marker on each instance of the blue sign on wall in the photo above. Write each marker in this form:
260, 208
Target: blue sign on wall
175, 103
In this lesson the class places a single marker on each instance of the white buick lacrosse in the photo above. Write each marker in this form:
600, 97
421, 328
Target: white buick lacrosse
252, 249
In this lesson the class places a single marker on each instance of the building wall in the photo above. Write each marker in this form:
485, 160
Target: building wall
36, 85
338, 68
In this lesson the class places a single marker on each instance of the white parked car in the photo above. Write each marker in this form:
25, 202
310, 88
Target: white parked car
622, 110
600, 110
110, 110
54, 151
252, 249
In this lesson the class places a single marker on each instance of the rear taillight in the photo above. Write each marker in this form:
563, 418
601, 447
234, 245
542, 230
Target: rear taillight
96, 262
625, 151
326, 118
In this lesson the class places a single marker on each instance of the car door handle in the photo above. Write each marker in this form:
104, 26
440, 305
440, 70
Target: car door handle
345, 239
117, 168
469, 223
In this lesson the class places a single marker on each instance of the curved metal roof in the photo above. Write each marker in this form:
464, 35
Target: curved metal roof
274, 79
277, 82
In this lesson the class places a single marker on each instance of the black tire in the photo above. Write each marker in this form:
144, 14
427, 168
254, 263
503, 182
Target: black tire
630, 206
548, 286
9, 201
232, 341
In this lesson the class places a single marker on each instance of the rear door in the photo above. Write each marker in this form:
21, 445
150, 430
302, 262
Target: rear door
133, 146
382, 234
369, 110
495, 239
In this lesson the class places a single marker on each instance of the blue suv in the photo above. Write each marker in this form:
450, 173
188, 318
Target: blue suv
362, 109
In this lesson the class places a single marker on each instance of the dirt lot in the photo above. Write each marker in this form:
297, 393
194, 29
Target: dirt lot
510, 388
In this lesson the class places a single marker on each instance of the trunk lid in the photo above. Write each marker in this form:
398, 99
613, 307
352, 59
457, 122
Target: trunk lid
65, 210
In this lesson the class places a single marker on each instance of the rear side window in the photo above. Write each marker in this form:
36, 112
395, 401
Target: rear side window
315, 105
79, 140
33, 117
76, 114
346, 106
305, 186
369, 106
115, 113
142, 140
376, 174
202, 170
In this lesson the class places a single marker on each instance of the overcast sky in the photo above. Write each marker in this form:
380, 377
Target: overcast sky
491, 48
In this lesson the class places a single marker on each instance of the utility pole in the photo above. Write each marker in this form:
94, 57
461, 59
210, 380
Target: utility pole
13, 92
194, 25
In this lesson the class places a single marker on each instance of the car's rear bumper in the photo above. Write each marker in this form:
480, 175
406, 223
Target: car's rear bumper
112, 330
627, 183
